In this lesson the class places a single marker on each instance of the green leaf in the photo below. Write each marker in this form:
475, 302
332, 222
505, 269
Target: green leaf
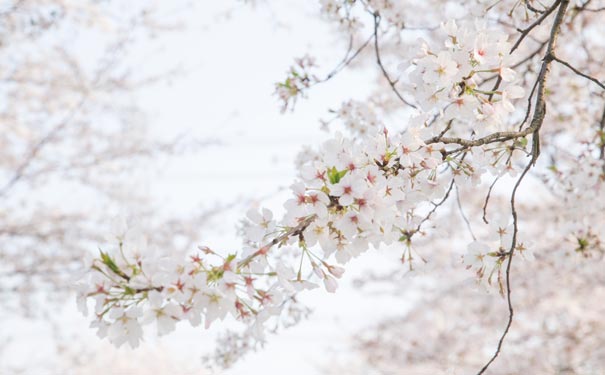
110, 263
335, 175
582, 244
523, 142
215, 274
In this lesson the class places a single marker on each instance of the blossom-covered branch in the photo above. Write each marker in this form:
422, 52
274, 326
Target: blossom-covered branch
378, 184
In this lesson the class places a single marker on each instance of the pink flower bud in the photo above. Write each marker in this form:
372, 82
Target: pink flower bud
330, 284
336, 271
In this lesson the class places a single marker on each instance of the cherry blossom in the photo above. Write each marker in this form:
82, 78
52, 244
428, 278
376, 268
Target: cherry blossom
477, 115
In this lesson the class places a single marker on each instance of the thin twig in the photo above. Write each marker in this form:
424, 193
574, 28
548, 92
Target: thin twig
579, 72
592, 10
530, 7
602, 139
527, 30
435, 207
511, 311
528, 111
291, 232
347, 59
382, 68
489, 193
468, 223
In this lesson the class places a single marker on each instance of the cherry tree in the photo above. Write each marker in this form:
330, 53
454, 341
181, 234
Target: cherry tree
490, 112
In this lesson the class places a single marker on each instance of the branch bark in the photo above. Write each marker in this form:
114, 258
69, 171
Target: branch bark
536, 123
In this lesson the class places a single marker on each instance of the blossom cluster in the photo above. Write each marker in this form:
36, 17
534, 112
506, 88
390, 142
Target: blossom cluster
450, 78
350, 195
358, 117
341, 12
134, 284
579, 184
372, 189
298, 80
486, 257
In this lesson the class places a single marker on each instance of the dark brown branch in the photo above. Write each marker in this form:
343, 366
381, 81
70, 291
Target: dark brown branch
489, 193
446, 129
527, 30
531, 7
590, 78
602, 139
494, 137
509, 302
528, 111
432, 211
496, 86
591, 10
382, 68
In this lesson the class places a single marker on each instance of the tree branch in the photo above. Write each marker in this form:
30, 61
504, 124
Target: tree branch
382, 68
537, 22
536, 123
590, 78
